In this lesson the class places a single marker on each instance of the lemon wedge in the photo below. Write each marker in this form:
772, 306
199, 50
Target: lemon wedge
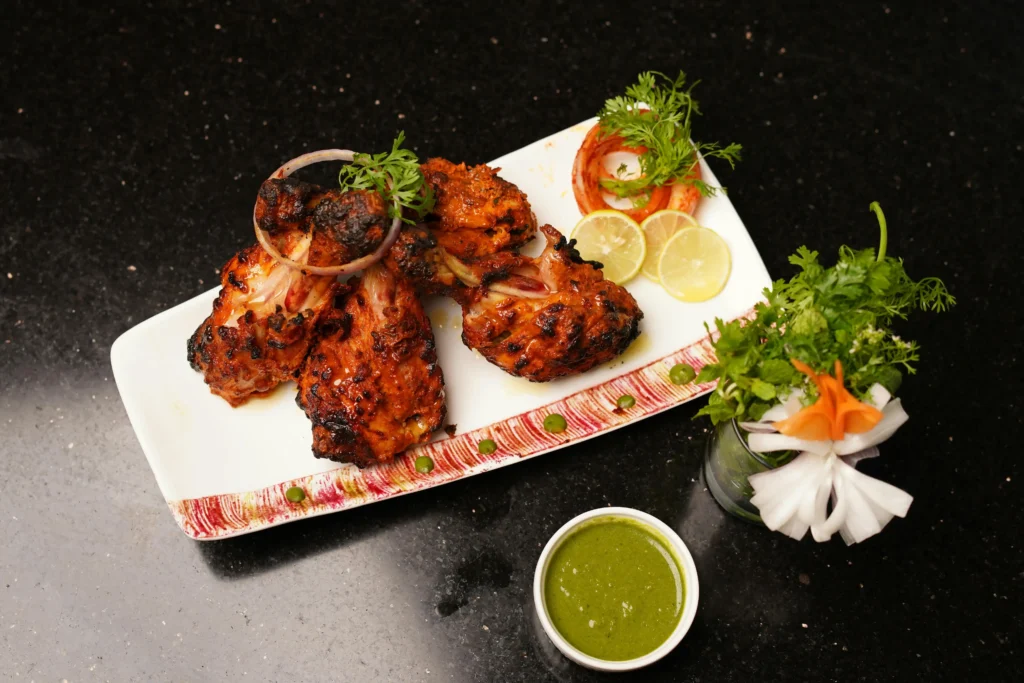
694, 265
615, 240
658, 229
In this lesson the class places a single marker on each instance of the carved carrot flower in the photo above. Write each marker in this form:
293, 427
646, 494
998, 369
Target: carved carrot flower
832, 434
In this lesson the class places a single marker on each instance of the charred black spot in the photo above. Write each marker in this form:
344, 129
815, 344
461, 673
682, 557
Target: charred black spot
223, 331
547, 321
276, 321
378, 345
249, 317
208, 334
274, 343
573, 254
521, 363
255, 353
514, 347
337, 424
229, 354
193, 352
297, 320
234, 282
495, 275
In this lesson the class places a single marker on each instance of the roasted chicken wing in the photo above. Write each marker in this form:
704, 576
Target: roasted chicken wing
372, 386
557, 315
263, 320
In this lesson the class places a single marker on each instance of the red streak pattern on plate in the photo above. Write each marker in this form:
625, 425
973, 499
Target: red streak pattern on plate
588, 413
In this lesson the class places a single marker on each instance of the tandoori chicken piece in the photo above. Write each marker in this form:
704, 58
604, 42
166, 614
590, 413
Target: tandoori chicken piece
344, 225
477, 211
418, 257
573, 319
478, 220
261, 326
372, 386
262, 323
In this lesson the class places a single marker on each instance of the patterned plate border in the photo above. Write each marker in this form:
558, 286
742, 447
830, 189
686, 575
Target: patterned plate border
589, 413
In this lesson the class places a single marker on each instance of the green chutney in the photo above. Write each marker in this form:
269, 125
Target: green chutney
614, 589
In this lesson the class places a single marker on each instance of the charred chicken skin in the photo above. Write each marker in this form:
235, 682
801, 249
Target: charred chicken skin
263, 321
573, 319
477, 211
372, 386
477, 221
418, 257
343, 225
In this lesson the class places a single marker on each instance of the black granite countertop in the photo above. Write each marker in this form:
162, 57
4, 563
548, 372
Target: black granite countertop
132, 141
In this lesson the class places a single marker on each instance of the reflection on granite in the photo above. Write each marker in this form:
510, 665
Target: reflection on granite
132, 141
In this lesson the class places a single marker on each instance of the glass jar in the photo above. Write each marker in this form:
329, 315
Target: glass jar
728, 462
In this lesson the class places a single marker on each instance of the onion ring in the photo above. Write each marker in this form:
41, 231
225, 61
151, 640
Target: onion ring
361, 263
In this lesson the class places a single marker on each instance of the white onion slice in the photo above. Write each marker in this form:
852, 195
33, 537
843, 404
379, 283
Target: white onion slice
344, 269
469, 278
459, 269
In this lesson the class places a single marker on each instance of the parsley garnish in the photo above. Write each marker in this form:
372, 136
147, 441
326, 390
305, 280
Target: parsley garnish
656, 113
395, 175
819, 316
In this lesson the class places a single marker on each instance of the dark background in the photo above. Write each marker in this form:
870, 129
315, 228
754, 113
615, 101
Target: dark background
132, 142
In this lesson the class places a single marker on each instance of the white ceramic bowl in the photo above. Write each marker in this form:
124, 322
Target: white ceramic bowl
689, 571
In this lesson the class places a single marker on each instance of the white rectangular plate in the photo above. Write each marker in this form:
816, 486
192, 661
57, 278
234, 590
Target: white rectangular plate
224, 470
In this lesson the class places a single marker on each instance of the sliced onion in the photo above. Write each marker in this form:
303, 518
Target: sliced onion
352, 266
528, 288
522, 293
460, 269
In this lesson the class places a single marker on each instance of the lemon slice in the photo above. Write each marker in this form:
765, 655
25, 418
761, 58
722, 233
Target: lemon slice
615, 240
658, 229
694, 265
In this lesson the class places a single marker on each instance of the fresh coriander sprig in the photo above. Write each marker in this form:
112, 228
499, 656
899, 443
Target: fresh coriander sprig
819, 316
395, 175
657, 112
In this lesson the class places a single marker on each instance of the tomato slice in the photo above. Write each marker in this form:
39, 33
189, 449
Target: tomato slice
588, 170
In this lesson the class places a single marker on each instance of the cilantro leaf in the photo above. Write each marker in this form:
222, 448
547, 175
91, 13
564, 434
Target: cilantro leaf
656, 113
820, 315
395, 175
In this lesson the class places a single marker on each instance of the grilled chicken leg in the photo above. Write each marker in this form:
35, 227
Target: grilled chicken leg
572, 320
372, 386
262, 323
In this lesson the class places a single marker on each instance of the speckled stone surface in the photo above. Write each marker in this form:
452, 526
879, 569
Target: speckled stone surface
132, 141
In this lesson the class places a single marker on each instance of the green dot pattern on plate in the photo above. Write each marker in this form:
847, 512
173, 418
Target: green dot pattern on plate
555, 423
625, 401
681, 374
295, 494
487, 446
424, 464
